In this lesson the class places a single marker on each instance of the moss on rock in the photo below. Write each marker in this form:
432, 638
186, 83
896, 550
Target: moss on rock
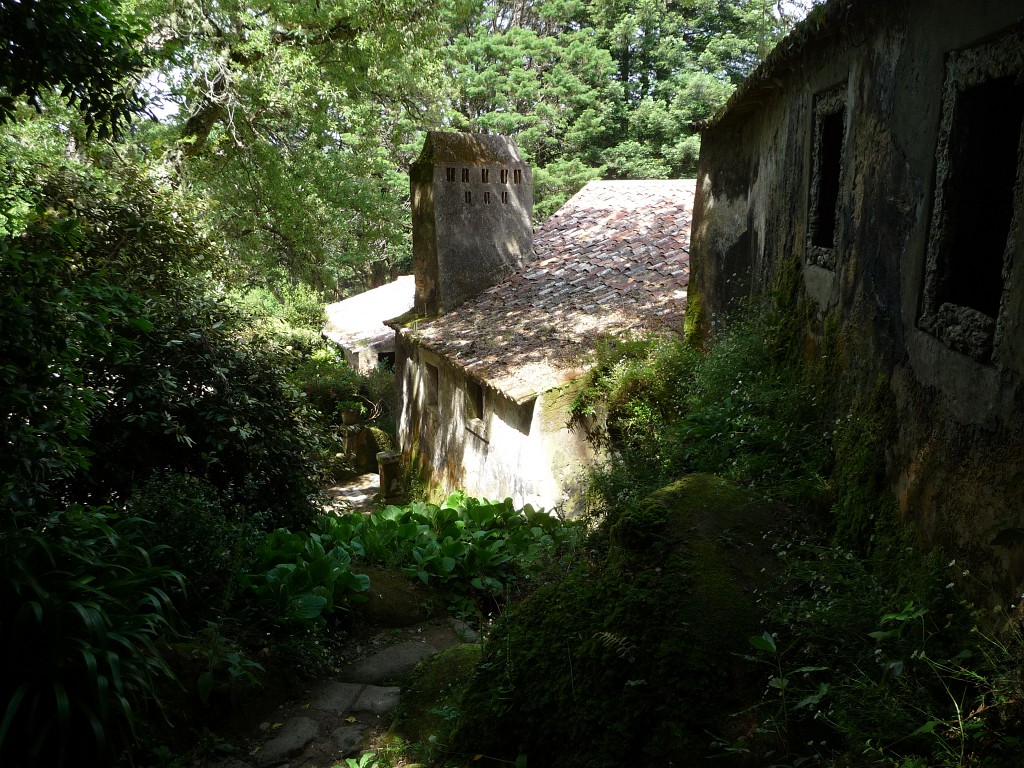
432, 694
631, 660
394, 600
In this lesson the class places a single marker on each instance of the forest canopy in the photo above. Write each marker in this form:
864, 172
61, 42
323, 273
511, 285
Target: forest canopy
291, 126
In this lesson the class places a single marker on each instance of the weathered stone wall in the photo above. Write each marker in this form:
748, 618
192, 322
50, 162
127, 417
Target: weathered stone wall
472, 203
520, 450
903, 299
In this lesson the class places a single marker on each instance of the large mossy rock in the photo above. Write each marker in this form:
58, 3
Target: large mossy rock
632, 660
432, 692
394, 600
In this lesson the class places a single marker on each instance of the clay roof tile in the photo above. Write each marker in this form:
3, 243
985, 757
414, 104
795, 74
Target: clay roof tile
612, 260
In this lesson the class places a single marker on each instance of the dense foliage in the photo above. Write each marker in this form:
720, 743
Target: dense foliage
88, 50
117, 361
603, 89
295, 122
476, 551
788, 621
744, 412
120, 371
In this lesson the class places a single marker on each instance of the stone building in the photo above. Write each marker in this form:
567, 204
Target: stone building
879, 147
485, 386
357, 324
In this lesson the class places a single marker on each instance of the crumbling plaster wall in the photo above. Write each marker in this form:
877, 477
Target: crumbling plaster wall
524, 451
956, 460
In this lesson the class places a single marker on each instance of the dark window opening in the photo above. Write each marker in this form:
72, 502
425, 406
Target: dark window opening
465, 175
504, 197
504, 177
517, 176
386, 361
469, 197
431, 383
474, 400
450, 174
487, 198
485, 175
829, 160
983, 153
978, 171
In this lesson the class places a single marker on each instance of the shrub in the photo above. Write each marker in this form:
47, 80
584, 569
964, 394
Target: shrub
741, 409
84, 608
629, 660
117, 361
329, 383
205, 541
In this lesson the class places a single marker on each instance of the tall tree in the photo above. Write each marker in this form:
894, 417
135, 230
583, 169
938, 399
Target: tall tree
606, 88
292, 120
88, 50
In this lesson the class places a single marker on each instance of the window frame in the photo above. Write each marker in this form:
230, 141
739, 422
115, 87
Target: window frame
963, 328
827, 104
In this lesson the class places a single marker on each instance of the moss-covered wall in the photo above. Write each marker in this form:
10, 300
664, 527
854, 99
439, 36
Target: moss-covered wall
955, 454
525, 451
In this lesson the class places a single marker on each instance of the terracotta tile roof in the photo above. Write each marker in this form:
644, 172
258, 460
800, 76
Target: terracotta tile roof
614, 259
358, 321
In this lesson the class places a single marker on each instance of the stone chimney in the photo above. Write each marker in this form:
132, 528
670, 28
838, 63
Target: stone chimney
472, 203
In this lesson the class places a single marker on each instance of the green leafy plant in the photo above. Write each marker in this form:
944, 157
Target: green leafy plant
367, 760
85, 609
303, 579
224, 664
785, 682
201, 538
473, 549
740, 409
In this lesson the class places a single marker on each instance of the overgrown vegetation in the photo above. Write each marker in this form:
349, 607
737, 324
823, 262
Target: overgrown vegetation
744, 412
840, 644
747, 594
476, 552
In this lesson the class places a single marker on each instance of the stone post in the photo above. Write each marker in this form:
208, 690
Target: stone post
390, 469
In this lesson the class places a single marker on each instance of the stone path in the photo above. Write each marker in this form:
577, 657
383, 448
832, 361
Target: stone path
359, 493
335, 717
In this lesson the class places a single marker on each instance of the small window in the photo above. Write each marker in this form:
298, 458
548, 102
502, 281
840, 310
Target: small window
517, 176
469, 197
504, 197
826, 176
504, 176
474, 400
450, 174
431, 384
977, 172
485, 175
465, 175
487, 198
